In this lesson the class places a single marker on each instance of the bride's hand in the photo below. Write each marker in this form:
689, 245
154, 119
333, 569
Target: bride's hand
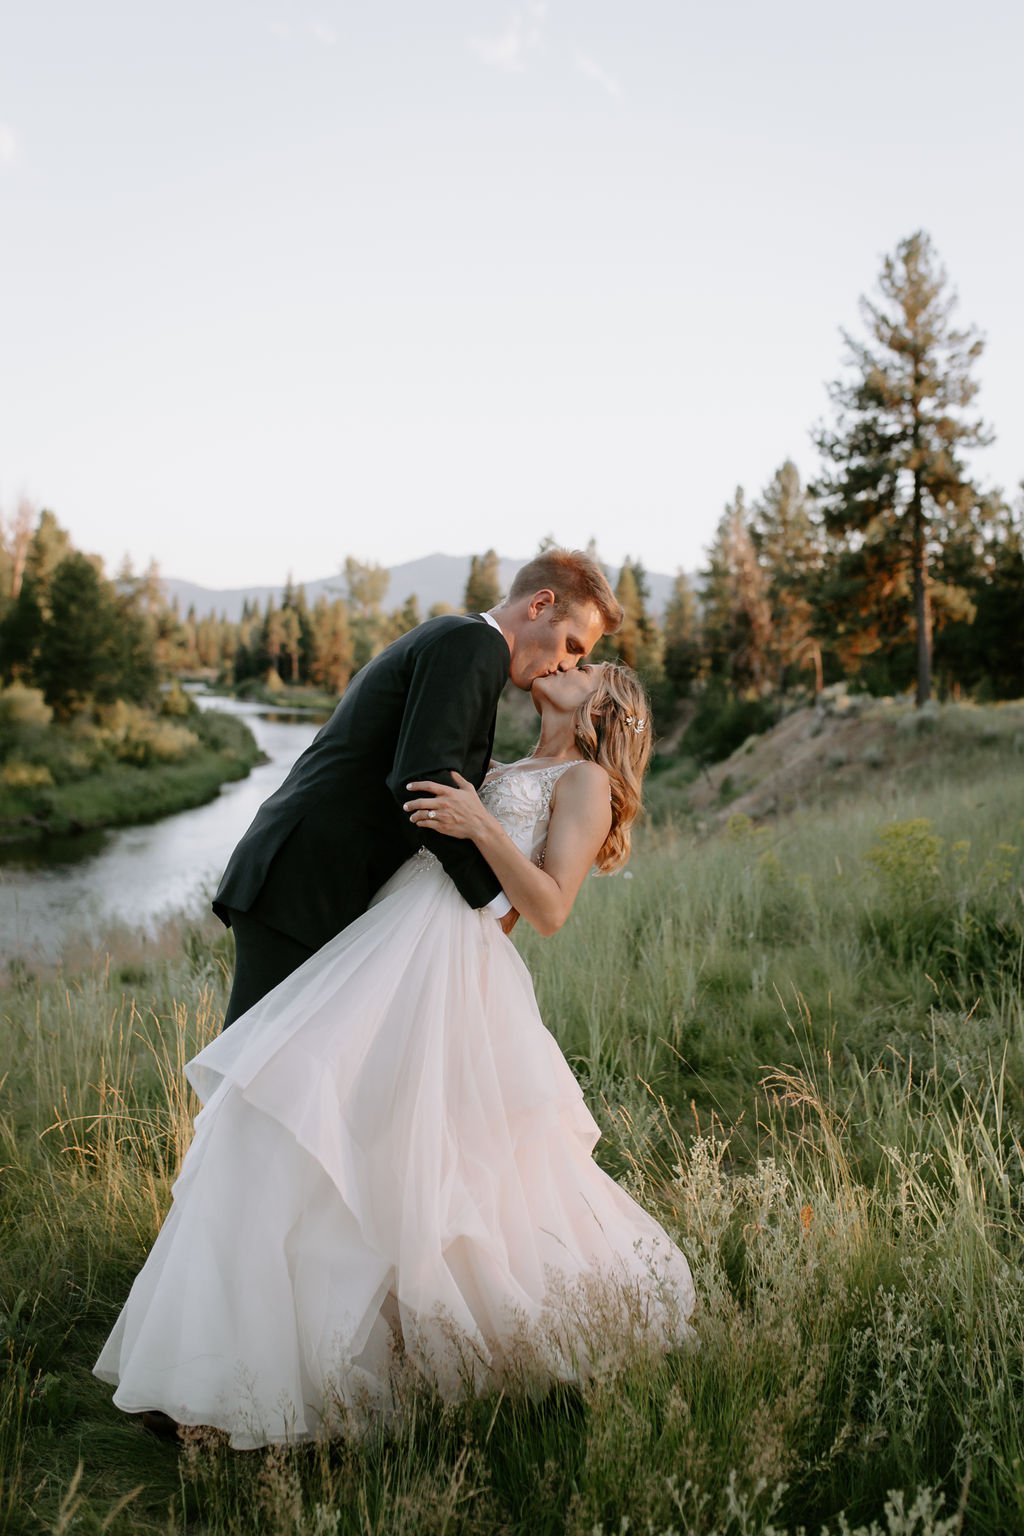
457, 810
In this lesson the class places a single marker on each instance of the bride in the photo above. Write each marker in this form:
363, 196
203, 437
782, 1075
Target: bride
392, 1168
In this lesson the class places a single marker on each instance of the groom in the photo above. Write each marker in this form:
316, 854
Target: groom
334, 832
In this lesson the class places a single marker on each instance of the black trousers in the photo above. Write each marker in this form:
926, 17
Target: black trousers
263, 957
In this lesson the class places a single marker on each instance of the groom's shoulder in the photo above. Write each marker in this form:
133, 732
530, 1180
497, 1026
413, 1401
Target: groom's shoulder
460, 632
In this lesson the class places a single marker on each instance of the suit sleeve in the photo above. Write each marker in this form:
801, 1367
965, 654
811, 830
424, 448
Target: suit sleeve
450, 705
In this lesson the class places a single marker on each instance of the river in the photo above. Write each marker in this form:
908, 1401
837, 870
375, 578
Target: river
77, 887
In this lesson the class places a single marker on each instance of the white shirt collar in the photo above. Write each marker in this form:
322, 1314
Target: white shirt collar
488, 619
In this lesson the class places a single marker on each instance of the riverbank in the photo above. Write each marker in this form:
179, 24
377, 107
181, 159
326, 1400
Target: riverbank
299, 699
60, 896
133, 767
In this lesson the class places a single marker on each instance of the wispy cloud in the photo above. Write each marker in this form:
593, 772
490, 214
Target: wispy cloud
323, 33
600, 76
523, 35
8, 145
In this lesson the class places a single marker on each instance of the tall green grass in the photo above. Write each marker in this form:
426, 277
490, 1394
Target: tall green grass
805, 1045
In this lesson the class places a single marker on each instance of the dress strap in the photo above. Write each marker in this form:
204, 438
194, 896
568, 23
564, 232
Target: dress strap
513, 769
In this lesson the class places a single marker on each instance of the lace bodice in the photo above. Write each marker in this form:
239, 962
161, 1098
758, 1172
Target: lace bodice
520, 797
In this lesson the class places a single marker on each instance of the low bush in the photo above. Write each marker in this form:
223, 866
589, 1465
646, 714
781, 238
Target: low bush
19, 775
723, 723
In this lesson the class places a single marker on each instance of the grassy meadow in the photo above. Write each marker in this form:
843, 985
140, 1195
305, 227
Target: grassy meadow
804, 1040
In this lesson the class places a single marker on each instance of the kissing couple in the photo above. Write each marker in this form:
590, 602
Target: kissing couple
393, 1163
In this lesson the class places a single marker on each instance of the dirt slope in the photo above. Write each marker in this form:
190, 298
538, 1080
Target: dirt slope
844, 743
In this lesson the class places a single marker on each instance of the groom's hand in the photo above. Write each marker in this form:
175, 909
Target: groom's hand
508, 922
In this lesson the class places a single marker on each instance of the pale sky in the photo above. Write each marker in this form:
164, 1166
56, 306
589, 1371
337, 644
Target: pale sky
284, 282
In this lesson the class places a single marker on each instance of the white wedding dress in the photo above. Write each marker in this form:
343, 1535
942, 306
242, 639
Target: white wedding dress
391, 1174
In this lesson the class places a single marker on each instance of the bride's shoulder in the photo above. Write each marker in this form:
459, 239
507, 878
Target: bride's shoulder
585, 782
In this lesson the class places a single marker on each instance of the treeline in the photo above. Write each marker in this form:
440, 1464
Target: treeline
321, 644
88, 737
894, 569
292, 642
69, 630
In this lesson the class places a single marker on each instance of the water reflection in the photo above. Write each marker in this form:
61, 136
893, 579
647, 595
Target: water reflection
136, 875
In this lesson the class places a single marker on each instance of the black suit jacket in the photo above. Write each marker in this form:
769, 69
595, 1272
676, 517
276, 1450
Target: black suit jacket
322, 844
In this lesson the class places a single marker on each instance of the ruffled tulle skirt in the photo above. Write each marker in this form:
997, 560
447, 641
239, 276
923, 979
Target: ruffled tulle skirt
391, 1176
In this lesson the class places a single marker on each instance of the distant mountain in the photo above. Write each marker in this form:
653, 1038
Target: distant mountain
434, 579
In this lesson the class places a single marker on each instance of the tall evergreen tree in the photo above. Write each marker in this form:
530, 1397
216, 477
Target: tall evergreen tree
995, 664
94, 644
273, 640
49, 545
21, 630
291, 645
331, 665
736, 611
627, 640
638, 641
483, 586
789, 547
408, 616
26, 617
15, 540
366, 586
682, 637
305, 621
895, 490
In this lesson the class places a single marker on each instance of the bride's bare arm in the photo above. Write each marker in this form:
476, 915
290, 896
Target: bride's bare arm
581, 817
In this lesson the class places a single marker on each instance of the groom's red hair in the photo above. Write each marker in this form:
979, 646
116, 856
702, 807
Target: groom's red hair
575, 578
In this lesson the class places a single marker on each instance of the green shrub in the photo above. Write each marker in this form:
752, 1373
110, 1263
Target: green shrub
135, 735
19, 775
21, 706
24, 720
227, 734
723, 723
174, 701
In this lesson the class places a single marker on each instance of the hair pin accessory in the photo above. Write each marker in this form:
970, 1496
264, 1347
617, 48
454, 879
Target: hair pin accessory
638, 725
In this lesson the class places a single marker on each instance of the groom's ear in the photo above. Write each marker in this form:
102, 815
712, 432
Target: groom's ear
540, 601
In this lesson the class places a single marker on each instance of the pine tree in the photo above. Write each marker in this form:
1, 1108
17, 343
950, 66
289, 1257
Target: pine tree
638, 640
682, 637
26, 617
331, 665
94, 644
291, 643
14, 547
407, 617
20, 632
272, 640
483, 586
789, 548
366, 586
737, 621
895, 491
49, 545
305, 620
995, 663
627, 640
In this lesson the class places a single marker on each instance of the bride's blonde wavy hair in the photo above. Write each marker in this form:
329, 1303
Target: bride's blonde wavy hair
613, 727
